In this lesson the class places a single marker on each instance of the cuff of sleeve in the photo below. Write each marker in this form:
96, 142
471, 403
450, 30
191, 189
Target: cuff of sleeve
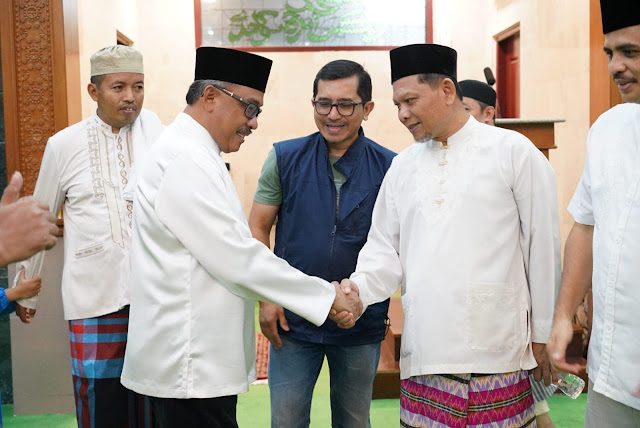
580, 216
274, 202
540, 331
320, 313
30, 303
365, 297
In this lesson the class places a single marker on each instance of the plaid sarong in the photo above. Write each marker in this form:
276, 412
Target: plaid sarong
97, 356
467, 400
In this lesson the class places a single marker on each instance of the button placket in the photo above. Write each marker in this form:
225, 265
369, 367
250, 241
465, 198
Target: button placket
443, 162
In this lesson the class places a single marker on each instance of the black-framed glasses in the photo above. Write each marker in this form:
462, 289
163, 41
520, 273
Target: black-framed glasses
323, 108
251, 110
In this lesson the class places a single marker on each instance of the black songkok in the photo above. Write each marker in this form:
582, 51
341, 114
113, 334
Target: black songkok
479, 91
618, 14
421, 59
233, 66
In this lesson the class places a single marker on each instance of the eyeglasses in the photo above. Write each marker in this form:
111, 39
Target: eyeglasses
251, 110
323, 108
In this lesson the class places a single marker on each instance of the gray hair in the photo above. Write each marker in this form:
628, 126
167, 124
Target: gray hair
196, 90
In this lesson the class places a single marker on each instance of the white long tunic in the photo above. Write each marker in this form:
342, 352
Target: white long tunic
471, 232
608, 197
196, 271
90, 169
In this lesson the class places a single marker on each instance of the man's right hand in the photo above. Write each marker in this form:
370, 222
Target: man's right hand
26, 225
270, 315
561, 336
347, 306
24, 314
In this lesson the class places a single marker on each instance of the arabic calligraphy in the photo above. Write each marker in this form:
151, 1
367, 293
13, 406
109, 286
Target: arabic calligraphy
317, 21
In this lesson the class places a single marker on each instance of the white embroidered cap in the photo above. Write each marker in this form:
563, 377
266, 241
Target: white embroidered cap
116, 59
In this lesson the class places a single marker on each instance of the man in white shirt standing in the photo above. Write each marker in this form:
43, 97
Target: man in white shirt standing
196, 269
466, 221
603, 247
90, 168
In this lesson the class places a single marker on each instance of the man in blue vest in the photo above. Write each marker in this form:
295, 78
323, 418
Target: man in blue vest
322, 189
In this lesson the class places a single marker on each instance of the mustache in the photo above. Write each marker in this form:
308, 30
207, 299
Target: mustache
244, 131
621, 76
129, 105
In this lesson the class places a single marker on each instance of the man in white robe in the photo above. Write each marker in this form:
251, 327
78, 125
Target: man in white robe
196, 269
466, 221
88, 170
603, 247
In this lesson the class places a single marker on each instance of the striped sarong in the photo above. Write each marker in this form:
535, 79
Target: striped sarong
540, 391
97, 356
467, 400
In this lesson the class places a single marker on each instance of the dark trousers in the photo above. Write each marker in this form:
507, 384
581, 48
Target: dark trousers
219, 412
105, 403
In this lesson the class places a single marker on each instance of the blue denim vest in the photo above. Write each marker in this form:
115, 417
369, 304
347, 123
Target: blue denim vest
319, 241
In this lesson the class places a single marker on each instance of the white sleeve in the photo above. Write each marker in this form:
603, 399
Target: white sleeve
48, 190
535, 195
193, 203
379, 271
581, 207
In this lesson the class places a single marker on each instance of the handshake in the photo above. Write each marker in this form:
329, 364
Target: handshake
347, 306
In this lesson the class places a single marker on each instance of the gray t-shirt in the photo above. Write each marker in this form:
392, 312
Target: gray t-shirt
269, 190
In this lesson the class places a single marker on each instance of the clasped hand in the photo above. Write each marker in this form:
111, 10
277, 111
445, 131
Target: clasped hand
347, 306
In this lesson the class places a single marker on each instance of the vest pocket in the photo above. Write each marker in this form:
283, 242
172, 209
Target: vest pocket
491, 316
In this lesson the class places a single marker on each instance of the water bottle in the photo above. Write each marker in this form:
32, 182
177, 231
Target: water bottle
570, 384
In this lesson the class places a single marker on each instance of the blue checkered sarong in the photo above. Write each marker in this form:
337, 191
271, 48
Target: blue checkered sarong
97, 356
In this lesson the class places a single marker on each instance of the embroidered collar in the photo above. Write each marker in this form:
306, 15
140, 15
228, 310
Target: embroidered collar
108, 128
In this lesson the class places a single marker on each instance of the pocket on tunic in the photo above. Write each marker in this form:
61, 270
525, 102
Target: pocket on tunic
491, 316
89, 251
407, 342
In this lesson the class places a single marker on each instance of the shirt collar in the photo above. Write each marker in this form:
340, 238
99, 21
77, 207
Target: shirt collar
196, 130
108, 128
462, 134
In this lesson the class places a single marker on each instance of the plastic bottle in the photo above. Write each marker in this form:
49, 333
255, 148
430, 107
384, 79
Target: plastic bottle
570, 384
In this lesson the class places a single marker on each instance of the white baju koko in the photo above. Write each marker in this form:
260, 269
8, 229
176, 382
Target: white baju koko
196, 271
91, 171
608, 197
470, 231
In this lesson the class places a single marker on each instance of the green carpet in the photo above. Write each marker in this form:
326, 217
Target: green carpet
33, 421
253, 411
567, 413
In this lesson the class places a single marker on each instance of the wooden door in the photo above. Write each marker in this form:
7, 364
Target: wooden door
508, 78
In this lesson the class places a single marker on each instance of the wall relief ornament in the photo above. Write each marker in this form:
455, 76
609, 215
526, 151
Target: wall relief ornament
34, 81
